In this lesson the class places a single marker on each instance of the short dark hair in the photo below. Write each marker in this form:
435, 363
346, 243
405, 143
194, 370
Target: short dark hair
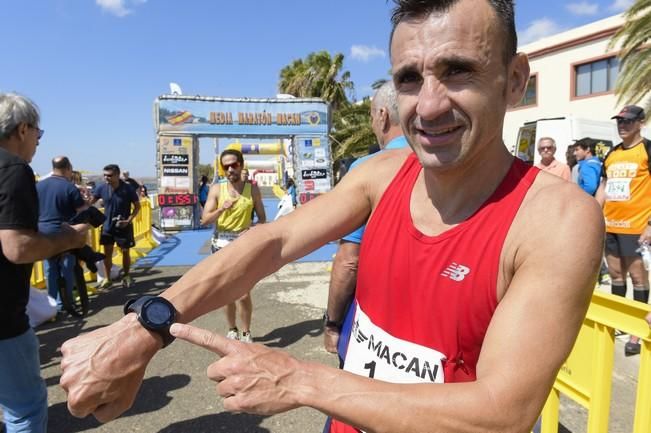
114, 168
61, 163
413, 9
587, 143
236, 153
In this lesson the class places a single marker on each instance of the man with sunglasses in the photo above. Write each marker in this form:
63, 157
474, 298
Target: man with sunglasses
23, 395
117, 198
548, 163
230, 204
625, 193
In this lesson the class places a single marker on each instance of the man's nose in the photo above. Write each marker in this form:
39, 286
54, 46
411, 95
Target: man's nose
433, 99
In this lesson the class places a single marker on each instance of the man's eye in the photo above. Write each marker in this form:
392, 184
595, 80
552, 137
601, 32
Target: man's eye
457, 70
408, 77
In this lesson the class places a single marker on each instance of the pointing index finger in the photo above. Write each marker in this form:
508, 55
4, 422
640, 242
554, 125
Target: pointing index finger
201, 337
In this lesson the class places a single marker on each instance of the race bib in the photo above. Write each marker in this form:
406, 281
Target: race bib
618, 189
222, 239
374, 353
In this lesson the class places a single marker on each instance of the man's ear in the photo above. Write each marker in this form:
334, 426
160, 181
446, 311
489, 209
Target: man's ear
384, 119
518, 77
21, 130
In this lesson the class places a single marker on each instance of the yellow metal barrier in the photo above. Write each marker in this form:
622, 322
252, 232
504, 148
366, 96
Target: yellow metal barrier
141, 233
586, 376
38, 276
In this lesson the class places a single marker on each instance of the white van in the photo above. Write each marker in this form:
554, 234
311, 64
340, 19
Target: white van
565, 131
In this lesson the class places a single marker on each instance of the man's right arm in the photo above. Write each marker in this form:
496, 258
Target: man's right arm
28, 246
113, 359
343, 281
210, 211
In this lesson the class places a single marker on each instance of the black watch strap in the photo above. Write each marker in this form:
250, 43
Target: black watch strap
328, 323
136, 305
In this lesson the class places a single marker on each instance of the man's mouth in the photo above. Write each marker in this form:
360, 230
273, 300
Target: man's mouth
438, 132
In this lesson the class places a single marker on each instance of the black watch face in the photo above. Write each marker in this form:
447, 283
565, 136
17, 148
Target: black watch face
157, 314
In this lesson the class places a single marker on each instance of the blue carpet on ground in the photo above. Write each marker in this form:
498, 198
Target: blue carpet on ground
189, 247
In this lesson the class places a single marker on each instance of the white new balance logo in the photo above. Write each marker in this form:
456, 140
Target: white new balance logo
456, 272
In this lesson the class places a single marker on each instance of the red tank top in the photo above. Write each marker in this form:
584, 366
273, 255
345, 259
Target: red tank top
424, 303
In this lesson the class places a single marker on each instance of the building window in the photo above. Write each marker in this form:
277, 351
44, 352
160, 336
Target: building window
596, 77
530, 95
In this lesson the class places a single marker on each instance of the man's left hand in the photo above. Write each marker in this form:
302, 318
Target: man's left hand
646, 235
103, 370
251, 377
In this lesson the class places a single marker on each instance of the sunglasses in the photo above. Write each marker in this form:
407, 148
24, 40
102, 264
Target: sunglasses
234, 165
542, 149
40, 131
622, 121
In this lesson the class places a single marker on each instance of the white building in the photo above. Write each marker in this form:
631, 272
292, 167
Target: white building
573, 75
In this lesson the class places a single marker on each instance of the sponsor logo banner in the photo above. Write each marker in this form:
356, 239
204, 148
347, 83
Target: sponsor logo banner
175, 159
314, 174
175, 171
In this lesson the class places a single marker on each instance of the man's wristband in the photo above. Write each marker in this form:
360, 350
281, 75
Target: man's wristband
327, 323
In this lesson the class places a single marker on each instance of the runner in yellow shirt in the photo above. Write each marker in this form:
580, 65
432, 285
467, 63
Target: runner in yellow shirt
231, 203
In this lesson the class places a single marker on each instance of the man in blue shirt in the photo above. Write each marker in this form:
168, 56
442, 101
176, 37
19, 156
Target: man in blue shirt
58, 201
117, 197
343, 279
589, 165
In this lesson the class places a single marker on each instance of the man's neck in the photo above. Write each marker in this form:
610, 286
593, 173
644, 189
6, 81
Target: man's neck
238, 184
628, 143
391, 134
11, 146
546, 162
59, 173
456, 194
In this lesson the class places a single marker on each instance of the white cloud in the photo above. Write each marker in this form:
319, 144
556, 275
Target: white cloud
583, 8
621, 5
119, 8
365, 53
538, 29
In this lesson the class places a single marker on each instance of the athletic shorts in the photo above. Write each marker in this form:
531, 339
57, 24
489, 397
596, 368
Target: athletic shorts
620, 245
123, 237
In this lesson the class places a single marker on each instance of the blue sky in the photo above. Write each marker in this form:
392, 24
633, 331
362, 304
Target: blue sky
95, 66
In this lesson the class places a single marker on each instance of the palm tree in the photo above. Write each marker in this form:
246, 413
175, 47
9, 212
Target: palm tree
318, 76
352, 134
634, 80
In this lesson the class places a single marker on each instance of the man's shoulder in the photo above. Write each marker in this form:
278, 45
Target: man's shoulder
552, 200
386, 157
11, 164
49, 184
395, 144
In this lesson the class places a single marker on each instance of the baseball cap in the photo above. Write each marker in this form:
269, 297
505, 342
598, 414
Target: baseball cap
631, 112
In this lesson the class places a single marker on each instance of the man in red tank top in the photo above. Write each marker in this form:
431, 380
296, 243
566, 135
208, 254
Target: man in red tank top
456, 311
